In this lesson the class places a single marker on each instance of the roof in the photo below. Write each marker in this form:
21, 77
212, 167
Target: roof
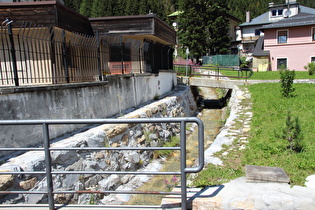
264, 18
137, 27
302, 19
259, 51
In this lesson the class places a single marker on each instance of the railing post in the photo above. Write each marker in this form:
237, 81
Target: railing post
8, 23
64, 55
183, 164
48, 168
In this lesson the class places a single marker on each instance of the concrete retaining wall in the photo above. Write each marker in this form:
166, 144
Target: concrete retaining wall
180, 103
75, 101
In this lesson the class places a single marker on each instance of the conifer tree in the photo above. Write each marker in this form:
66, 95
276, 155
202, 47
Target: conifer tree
203, 27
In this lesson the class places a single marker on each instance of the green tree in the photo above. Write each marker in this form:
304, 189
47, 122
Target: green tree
73, 4
292, 133
203, 27
287, 79
85, 7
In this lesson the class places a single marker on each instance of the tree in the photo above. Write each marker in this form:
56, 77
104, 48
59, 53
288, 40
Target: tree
85, 7
287, 79
203, 27
292, 133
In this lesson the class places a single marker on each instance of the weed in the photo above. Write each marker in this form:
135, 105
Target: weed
170, 184
92, 199
174, 142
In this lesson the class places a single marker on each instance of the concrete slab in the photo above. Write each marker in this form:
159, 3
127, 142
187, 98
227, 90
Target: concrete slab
265, 174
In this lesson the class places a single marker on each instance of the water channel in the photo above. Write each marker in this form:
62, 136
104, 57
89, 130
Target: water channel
213, 120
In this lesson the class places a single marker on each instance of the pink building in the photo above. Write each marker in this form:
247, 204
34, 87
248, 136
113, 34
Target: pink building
290, 42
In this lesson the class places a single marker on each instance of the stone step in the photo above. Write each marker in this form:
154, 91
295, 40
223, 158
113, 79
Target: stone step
259, 174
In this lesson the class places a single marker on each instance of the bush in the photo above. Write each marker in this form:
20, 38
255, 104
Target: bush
286, 79
310, 68
292, 133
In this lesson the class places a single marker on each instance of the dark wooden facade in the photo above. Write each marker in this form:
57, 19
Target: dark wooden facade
141, 27
45, 13
143, 42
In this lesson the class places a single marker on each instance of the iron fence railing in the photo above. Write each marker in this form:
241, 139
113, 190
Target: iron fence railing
50, 172
32, 54
212, 71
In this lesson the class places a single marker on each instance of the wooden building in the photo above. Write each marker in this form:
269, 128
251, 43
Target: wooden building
79, 49
155, 36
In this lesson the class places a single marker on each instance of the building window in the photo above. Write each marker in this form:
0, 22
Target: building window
277, 12
313, 59
257, 32
281, 63
313, 34
282, 37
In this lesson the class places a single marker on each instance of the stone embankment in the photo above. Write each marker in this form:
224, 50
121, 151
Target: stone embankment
180, 103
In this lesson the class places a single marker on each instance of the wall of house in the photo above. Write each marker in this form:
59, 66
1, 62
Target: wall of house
298, 50
75, 101
261, 63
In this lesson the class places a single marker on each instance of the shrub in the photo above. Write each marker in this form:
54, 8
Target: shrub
310, 68
292, 133
286, 79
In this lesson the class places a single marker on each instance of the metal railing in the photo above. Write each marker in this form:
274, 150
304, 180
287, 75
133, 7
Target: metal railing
212, 71
49, 172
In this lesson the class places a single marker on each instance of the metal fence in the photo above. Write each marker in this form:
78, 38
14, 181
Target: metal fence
32, 54
217, 72
50, 172
221, 60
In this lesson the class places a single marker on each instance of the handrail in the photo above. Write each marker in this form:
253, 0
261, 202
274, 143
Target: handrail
212, 71
47, 149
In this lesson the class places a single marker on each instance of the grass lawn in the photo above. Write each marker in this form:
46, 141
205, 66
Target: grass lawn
270, 75
264, 148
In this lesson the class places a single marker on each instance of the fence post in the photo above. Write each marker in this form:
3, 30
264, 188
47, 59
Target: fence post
64, 55
99, 57
122, 55
8, 23
52, 55
140, 57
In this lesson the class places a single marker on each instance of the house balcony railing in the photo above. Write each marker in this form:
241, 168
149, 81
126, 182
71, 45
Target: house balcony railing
248, 39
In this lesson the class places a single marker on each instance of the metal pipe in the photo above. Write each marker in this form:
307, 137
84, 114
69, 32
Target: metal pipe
183, 164
48, 168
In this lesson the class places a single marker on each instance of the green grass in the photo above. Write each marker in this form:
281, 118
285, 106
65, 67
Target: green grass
270, 111
272, 75
264, 148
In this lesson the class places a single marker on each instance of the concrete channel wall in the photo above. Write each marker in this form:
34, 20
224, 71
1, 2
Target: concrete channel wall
91, 100
178, 103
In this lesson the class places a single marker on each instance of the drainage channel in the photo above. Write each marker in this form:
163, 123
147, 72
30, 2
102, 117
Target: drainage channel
213, 119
